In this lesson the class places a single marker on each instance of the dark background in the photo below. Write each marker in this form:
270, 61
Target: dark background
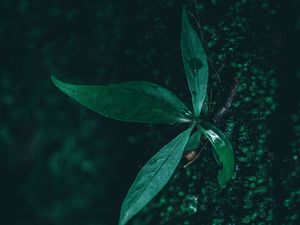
63, 164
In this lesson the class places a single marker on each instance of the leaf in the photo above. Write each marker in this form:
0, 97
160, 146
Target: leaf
195, 63
223, 152
194, 141
205, 106
137, 101
153, 176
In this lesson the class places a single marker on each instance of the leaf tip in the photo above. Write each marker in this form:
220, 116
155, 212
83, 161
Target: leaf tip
55, 81
225, 176
184, 13
221, 182
184, 9
64, 87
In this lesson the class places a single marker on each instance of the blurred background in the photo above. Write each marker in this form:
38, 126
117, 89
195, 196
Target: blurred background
61, 163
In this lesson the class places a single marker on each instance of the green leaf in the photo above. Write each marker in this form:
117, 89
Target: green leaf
137, 101
195, 63
194, 141
153, 176
205, 106
222, 150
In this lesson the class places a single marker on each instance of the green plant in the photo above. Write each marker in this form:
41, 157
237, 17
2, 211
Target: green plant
141, 101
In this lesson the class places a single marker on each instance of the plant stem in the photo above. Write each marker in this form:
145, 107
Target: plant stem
225, 109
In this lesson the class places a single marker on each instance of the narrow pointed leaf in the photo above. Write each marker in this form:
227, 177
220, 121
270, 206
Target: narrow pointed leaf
194, 141
137, 101
223, 152
153, 176
195, 63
